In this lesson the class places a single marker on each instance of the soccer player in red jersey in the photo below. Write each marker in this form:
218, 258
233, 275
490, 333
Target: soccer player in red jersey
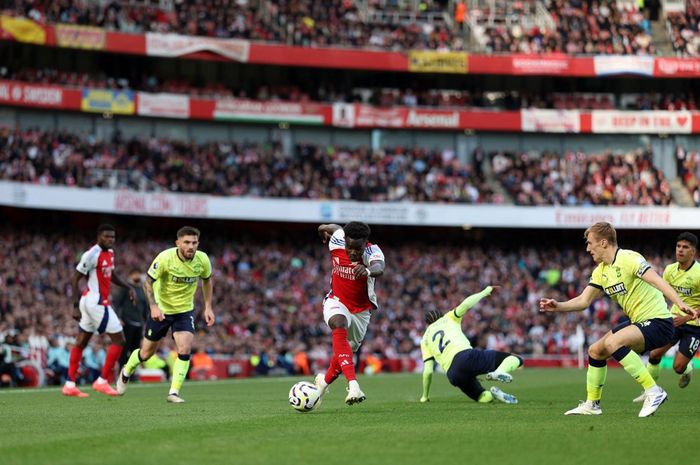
347, 306
93, 311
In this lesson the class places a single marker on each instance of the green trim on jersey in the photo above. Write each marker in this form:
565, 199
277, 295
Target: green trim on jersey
444, 339
687, 285
176, 279
622, 282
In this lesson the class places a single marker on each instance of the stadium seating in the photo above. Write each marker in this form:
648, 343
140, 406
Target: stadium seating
683, 30
575, 27
241, 169
313, 23
310, 171
575, 178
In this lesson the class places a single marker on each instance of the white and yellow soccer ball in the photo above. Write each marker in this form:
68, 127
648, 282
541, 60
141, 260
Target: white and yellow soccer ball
304, 396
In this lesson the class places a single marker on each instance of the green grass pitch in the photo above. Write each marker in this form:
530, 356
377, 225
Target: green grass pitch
250, 422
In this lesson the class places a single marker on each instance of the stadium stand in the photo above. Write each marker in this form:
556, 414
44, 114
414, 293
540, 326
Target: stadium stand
313, 23
683, 30
576, 178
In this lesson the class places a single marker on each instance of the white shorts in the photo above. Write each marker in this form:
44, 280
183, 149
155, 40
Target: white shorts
97, 318
357, 322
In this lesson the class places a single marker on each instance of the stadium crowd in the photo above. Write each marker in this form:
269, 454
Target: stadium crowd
576, 178
310, 23
581, 27
242, 169
328, 172
684, 30
688, 163
268, 295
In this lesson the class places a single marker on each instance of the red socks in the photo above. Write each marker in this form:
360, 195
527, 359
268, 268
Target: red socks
113, 353
76, 355
333, 370
342, 353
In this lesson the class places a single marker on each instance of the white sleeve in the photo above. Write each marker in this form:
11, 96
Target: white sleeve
337, 240
373, 254
87, 262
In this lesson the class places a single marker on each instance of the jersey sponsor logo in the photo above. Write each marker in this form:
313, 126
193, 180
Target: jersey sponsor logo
684, 291
618, 288
344, 272
185, 279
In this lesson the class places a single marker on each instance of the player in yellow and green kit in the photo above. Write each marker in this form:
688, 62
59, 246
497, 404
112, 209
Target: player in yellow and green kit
170, 287
627, 278
684, 277
444, 342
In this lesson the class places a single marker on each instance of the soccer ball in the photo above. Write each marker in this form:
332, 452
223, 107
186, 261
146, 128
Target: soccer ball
304, 396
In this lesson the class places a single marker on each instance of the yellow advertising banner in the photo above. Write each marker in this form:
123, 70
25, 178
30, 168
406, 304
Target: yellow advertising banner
437, 62
120, 102
23, 29
85, 37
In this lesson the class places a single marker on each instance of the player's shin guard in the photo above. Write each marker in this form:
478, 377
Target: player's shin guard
76, 355
333, 370
180, 367
654, 367
113, 353
343, 353
134, 361
595, 378
632, 363
510, 363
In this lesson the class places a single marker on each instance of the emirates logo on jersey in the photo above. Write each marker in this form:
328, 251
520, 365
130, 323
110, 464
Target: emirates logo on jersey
344, 272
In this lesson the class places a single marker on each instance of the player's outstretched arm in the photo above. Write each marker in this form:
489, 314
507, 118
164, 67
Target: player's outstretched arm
472, 300
208, 291
327, 230
578, 303
428, 368
670, 293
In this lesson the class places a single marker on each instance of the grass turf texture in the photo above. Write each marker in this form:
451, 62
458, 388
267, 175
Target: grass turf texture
250, 422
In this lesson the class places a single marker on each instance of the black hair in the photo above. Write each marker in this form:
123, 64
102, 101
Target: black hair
105, 227
357, 230
432, 316
187, 231
689, 237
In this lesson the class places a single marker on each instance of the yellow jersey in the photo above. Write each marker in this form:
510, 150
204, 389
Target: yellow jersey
687, 285
444, 339
622, 282
176, 279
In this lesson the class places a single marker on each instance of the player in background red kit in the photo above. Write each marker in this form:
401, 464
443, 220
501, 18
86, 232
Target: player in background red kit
94, 312
346, 308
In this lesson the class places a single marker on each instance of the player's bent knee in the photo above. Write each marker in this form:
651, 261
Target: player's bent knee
597, 351
679, 368
337, 322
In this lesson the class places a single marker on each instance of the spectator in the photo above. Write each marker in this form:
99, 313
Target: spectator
132, 314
